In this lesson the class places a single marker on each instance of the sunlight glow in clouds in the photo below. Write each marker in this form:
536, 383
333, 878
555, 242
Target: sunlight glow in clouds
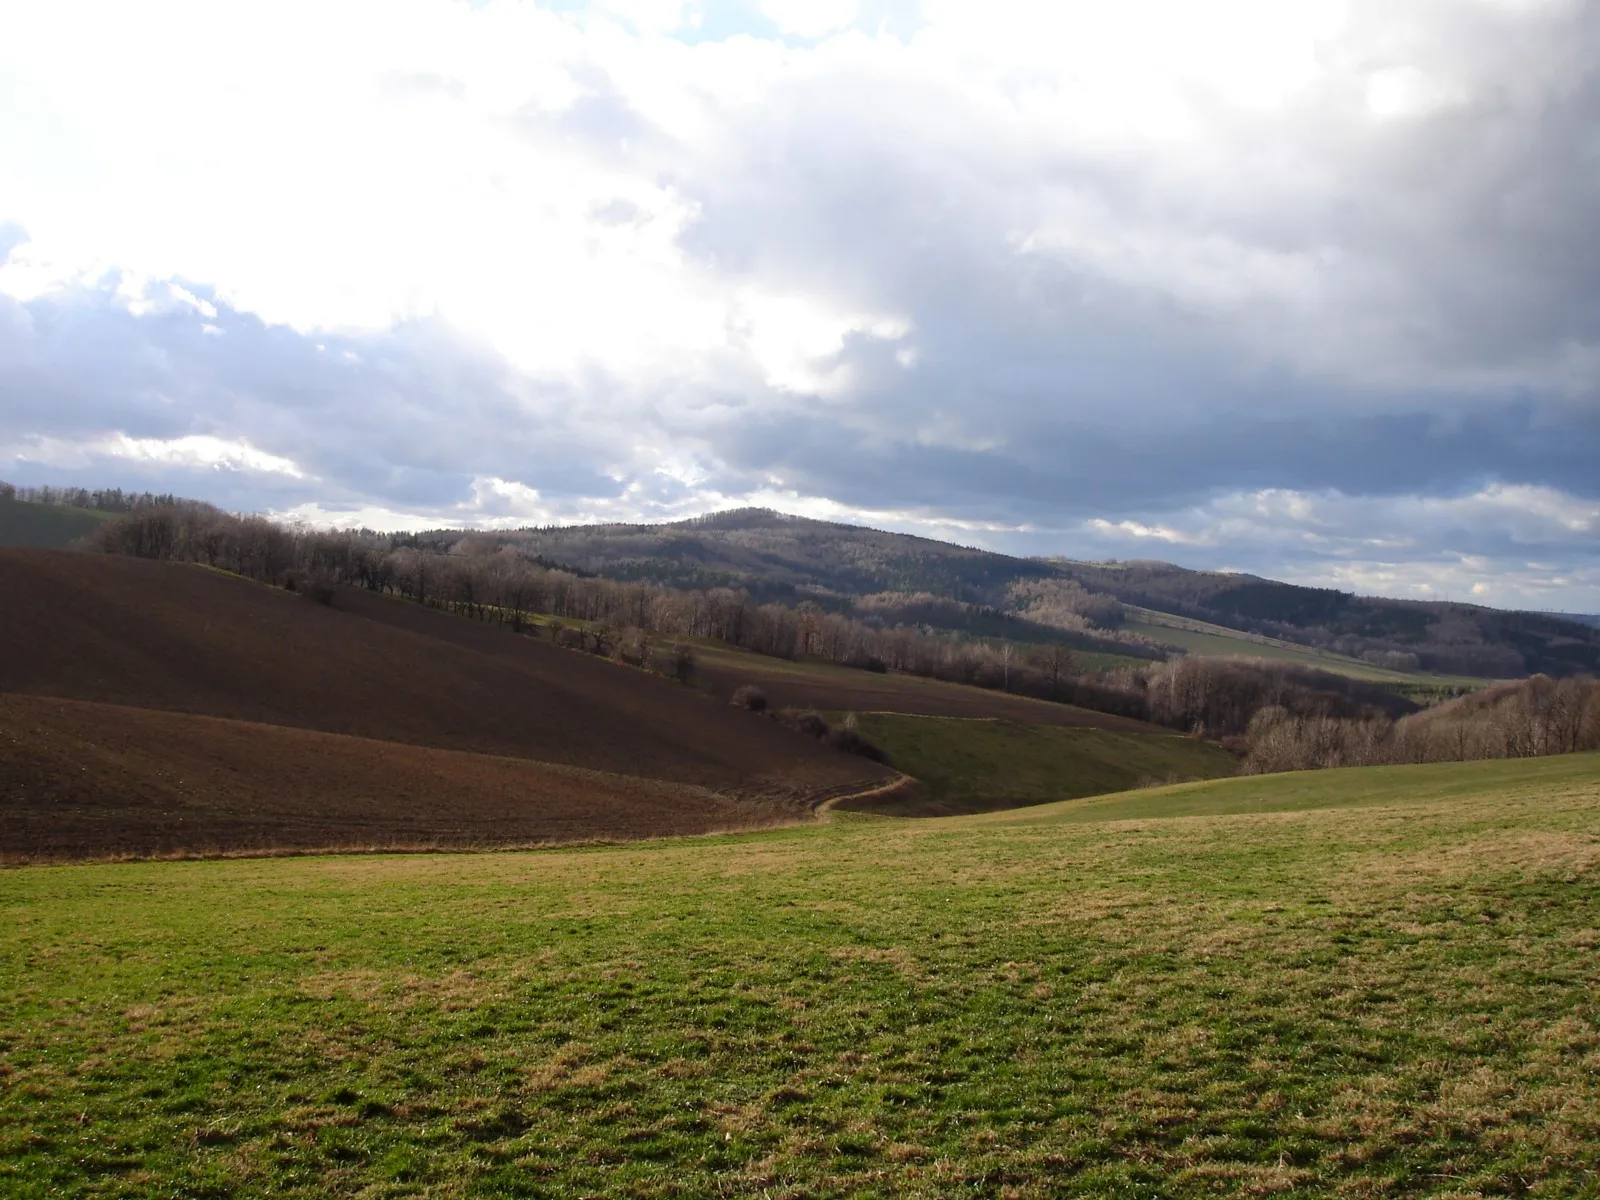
195, 452
1286, 286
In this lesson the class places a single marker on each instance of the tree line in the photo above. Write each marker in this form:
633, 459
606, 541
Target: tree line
1525, 718
111, 500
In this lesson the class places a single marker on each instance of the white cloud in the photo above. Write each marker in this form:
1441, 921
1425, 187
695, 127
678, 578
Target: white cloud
191, 452
1138, 530
812, 18
1187, 271
1492, 546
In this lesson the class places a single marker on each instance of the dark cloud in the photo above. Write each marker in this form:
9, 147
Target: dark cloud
1116, 342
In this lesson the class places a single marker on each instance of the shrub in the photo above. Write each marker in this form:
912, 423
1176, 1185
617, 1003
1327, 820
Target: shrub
568, 636
634, 648
672, 660
681, 660
805, 721
317, 590
852, 741
750, 697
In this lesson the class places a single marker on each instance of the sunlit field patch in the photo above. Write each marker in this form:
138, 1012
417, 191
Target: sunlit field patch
1361, 983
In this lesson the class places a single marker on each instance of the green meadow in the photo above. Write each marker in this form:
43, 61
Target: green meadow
970, 764
26, 524
1359, 983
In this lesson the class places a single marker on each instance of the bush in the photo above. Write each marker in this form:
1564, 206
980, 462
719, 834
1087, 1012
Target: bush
672, 660
750, 697
852, 741
805, 721
317, 590
681, 661
568, 636
634, 648
875, 664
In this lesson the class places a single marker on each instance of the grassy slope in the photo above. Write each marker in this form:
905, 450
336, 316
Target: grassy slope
1349, 787
1389, 998
44, 525
974, 764
1199, 637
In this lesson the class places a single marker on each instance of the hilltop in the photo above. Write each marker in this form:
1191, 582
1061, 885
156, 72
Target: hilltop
776, 556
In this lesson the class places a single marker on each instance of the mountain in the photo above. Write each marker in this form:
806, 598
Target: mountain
774, 556
780, 557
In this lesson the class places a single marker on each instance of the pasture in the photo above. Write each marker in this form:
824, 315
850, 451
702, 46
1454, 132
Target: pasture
1206, 639
1362, 983
26, 524
977, 764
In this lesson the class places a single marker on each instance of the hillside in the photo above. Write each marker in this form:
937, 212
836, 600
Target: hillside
774, 556
778, 556
791, 684
980, 764
44, 525
1438, 636
92, 780
158, 707
187, 640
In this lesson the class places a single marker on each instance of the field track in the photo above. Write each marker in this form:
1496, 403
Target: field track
189, 642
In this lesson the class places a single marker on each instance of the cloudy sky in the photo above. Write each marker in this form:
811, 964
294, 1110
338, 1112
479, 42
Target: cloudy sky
1308, 289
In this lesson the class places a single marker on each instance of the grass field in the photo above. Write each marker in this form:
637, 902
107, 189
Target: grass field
1200, 637
1362, 983
974, 764
44, 525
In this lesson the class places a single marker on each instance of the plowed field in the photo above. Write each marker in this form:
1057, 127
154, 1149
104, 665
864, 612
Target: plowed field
85, 779
186, 640
826, 686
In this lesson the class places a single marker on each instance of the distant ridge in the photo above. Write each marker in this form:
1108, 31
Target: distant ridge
791, 559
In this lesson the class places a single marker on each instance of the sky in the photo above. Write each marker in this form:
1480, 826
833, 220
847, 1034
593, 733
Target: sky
1307, 289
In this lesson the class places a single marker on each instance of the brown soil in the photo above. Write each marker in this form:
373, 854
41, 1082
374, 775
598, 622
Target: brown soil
838, 689
148, 635
81, 779
183, 638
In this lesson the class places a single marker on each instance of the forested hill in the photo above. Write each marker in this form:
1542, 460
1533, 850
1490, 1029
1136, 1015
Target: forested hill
893, 580
780, 557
